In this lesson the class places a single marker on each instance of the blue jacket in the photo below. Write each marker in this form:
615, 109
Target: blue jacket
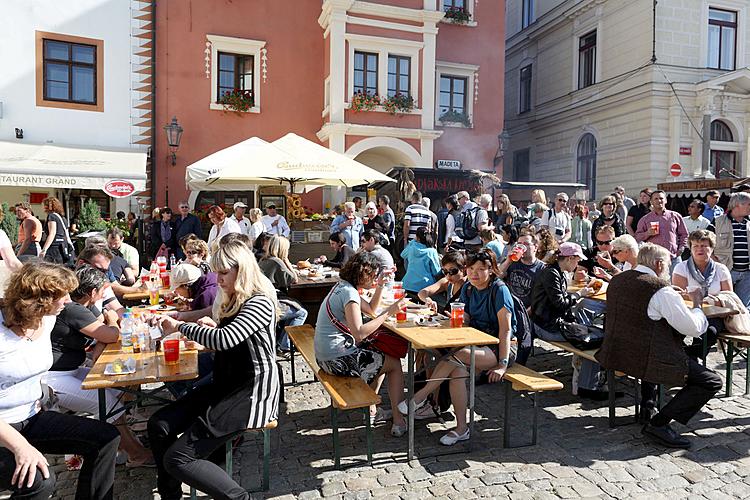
422, 265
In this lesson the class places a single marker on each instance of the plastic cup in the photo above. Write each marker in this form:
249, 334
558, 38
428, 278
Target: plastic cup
517, 253
398, 285
171, 350
401, 316
165, 280
655, 227
153, 295
398, 294
457, 315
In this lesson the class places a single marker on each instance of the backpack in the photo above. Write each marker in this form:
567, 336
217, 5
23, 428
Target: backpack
468, 223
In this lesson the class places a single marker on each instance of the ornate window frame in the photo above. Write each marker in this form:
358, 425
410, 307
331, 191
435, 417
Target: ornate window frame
244, 46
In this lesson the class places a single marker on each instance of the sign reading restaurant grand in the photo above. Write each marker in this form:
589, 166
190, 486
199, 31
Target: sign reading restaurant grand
37, 180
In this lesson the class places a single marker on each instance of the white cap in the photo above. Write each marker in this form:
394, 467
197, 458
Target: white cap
239, 204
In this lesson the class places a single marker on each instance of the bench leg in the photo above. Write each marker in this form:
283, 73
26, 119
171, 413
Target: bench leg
368, 429
228, 457
409, 401
637, 397
291, 362
472, 387
102, 405
266, 459
705, 348
506, 417
729, 359
335, 428
535, 428
660, 397
611, 385
193, 494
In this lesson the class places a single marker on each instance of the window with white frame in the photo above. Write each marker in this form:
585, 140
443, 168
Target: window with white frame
365, 73
527, 13
399, 75
587, 60
454, 94
235, 65
722, 38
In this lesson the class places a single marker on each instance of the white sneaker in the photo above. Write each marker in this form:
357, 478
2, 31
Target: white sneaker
425, 412
405, 409
381, 415
452, 437
399, 430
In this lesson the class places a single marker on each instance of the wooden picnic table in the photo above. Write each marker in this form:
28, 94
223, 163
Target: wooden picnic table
310, 292
136, 296
150, 367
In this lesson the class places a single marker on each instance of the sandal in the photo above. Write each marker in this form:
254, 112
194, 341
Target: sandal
405, 409
453, 437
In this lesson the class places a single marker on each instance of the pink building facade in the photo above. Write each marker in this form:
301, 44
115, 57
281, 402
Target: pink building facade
308, 64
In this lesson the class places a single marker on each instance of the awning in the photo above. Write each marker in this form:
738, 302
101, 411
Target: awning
699, 187
69, 167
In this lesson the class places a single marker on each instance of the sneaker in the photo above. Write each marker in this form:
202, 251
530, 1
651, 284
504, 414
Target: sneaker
454, 437
399, 430
425, 412
666, 436
381, 415
405, 409
283, 355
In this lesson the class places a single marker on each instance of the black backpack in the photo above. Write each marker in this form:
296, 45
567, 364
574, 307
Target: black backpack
468, 226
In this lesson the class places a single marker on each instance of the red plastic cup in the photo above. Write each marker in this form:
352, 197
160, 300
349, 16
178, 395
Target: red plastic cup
401, 315
655, 227
457, 315
398, 293
171, 350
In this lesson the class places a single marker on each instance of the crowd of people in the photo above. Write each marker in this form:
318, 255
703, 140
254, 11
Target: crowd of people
511, 268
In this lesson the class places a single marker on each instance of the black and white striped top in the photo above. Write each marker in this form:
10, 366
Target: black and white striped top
740, 254
245, 346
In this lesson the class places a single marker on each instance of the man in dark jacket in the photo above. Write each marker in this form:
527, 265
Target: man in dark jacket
184, 224
646, 319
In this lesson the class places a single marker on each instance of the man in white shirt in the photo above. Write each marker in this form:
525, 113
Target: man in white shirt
646, 319
558, 220
274, 222
695, 220
239, 217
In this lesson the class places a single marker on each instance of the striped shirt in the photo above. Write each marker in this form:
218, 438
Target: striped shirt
418, 216
245, 357
740, 255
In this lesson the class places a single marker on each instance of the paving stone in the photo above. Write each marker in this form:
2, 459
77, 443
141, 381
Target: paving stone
308, 495
392, 491
641, 472
586, 489
670, 483
361, 483
333, 488
737, 490
699, 475
392, 479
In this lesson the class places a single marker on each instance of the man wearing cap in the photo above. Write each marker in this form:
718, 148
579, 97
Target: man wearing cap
646, 322
185, 223
275, 223
239, 217
558, 220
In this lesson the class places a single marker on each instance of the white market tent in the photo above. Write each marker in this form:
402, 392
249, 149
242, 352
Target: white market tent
291, 159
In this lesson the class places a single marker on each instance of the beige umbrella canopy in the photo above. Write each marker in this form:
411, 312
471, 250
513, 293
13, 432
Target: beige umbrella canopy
300, 162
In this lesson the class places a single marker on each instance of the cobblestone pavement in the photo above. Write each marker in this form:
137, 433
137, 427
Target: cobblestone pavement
578, 454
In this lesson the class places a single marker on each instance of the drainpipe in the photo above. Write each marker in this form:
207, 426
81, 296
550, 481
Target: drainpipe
154, 156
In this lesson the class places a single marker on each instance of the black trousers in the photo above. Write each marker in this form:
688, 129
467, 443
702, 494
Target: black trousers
184, 460
52, 432
702, 384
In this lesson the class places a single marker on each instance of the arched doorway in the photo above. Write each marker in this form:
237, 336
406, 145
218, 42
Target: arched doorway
384, 153
723, 156
586, 163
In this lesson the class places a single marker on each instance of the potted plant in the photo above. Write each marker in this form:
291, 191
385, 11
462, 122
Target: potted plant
398, 103
364, 101
458, 15
239, 101
455, 117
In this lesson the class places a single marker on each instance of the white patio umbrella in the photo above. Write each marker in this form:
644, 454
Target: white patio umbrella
307, 163
250, 155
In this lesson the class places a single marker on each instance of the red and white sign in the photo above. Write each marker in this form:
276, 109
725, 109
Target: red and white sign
686, 150
675, 170
119, 188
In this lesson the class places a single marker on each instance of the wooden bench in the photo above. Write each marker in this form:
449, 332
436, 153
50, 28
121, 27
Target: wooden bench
520, 378
228, 449
735, 344
346, 393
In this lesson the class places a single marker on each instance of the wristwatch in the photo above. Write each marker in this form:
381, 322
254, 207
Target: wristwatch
504, 361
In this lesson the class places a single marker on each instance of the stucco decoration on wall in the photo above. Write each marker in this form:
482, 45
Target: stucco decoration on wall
476, 86
207, 59
264, 66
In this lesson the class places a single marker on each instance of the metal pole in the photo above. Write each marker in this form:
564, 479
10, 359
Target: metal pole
410, 401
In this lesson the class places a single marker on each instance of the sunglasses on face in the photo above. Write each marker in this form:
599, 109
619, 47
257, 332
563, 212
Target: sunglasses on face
608, 203
191, 252
605, 242
183, 206
562, 200
451, 272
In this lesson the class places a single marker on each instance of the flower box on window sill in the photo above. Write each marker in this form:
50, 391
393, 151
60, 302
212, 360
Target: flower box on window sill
453, 119
458, 15
382, 109
220, 107
237, 101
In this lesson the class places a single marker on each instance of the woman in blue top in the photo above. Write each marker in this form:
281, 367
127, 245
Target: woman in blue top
488, 306
423, 261
340, 331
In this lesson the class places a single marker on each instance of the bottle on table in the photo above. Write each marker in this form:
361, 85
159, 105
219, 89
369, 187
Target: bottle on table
126, 333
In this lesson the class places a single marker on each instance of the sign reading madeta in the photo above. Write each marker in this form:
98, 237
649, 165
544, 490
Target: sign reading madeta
449, 164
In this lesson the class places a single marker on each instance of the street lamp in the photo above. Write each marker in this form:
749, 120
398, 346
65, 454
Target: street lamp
174, 134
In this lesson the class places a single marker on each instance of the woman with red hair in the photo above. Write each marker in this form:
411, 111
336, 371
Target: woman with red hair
221, 225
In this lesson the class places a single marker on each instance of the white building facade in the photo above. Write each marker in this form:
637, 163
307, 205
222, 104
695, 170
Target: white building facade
75, 100
610, 92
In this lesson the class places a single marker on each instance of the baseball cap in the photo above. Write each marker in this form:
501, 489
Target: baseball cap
239, 204
184, 274
568, 249
271, 205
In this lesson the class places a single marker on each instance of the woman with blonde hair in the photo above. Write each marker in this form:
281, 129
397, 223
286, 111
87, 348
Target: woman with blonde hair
36, 294
507, 212
196, 253
277, 268
256, 223
538, 196
244, 392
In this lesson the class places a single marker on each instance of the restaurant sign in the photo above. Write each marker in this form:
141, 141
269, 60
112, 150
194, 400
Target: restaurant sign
449, 164
119, 188
444, 184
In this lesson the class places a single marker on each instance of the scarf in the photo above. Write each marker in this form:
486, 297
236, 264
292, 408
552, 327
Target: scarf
705, 278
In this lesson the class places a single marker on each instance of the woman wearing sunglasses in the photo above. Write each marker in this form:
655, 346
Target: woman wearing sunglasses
488, 306
448, 288
609, 217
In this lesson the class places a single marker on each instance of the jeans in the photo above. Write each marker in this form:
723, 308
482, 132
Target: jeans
741, 281
205, 376
702, 384
53, 432
294, 316
184, 459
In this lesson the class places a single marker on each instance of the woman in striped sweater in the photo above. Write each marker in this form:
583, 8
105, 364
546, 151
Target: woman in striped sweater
245, 389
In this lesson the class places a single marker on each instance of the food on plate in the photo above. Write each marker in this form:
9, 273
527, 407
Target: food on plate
313, 273
118, 365
303, 264
596, 285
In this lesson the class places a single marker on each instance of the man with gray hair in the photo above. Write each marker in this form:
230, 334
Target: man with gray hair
646, 319
350, 225
558, 220
732, 235
434, 222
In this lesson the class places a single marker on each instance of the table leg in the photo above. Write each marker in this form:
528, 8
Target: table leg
410, 401
102, 405
747, 371
472, 386
729, 359
611, 383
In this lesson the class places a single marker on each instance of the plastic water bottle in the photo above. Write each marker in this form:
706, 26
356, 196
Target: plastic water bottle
172, 261
126, 333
